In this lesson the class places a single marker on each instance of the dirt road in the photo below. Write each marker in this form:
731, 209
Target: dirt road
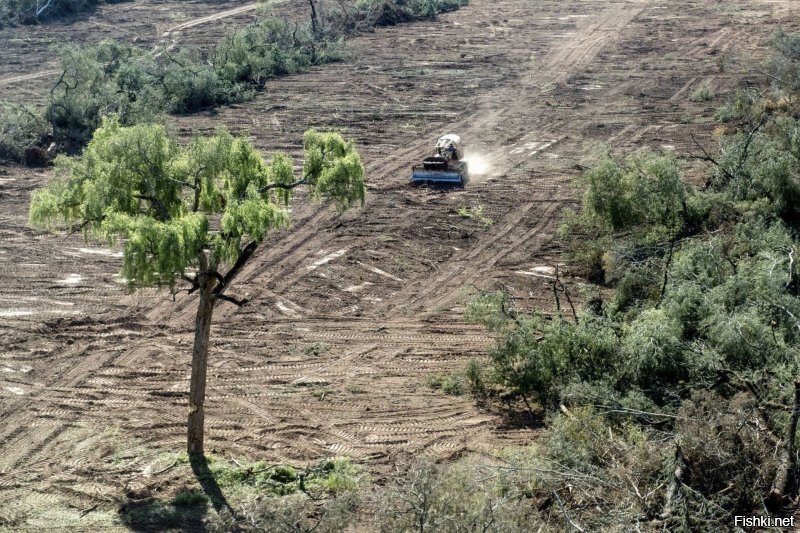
350, 315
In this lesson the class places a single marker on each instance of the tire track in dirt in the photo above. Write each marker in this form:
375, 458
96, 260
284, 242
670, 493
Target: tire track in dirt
562, 63
592, 46
290, 269
568, 57
27, 77
485, 265
370, 404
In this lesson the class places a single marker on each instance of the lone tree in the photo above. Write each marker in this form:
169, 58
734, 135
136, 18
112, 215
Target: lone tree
194, 213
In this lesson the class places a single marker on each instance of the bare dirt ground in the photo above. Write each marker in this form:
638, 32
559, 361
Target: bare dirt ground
349, 315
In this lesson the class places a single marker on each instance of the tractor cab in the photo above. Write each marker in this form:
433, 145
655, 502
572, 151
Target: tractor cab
445, 166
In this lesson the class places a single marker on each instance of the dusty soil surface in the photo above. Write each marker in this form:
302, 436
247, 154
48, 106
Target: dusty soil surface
351, 314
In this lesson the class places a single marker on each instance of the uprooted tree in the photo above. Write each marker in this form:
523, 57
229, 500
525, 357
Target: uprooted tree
193, 213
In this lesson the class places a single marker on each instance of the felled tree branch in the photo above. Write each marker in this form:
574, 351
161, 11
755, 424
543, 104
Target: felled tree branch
572, 524
783, 483
675, 484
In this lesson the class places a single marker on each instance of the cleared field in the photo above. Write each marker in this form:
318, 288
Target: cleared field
348, 315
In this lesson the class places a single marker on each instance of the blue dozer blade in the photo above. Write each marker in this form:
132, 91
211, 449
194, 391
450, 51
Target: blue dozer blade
427, 176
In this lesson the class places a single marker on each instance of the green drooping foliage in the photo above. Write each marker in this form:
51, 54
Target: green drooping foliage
166, 201
195, 213
695, 351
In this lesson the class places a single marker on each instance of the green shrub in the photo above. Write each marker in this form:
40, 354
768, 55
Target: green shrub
110, 78
121, 79
638, 286
330, 476
453, 384
360, 15
703, 93
643, 189
785, 62
586, 243
190, 86
702, 293
656, 357
476, 380
336, 476
434, 381
632, 208
536, 357
190, 498
431, 8
268, 49
451, 498
316, 349
137, 86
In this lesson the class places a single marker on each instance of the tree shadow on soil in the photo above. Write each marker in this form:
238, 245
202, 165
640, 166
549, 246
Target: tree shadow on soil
209, 484
150, 515
515, 415
187, 511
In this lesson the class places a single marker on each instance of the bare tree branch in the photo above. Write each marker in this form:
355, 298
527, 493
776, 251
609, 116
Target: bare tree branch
572, 524
244, 255
231, 299
287, 186
666, 271
161, 211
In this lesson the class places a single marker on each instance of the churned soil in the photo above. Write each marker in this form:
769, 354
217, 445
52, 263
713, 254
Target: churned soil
349, 315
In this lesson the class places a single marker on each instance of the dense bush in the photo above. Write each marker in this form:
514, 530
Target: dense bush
693, 353
538, 357
270, 48
23, 134
785, 63
463, 497
354, 16
110, 78
121, 79
33, 11
138, 86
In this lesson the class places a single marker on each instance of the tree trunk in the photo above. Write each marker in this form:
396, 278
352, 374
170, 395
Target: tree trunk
313, 18
784, 479
197, 386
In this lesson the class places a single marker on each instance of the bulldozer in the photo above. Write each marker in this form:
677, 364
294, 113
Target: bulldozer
445, 167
